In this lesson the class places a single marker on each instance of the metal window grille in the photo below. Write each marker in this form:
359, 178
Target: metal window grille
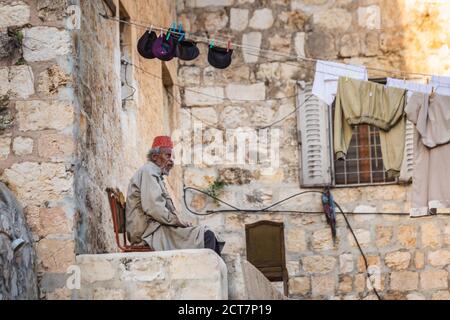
364, 163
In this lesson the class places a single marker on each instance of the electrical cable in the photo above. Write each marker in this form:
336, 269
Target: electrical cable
266, 209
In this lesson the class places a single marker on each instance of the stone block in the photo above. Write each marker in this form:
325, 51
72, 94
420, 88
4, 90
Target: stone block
404, 280
383, 235
262, 19
206, 114
299, 42
45, 43
346, 263
363, 236
22, 146
54, 221
320, 44
398, 260
299, 286
431, 235
407, 236
345, 284
252, 39
40, 115
203, 96
323, 285
21, 82
434, 279
441, 295
189, 75
108, 294
55, 255
216, 20
12, 14
439, 258
295, 240
322, 240
52, 79
419, 260
5, 146
56, 147
208, 3
337, 19
238, 19
318, 264
255, 91
369, 17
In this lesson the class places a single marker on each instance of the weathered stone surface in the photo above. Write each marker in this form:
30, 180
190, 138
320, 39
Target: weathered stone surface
238, 19
262, 19
434, 279
439, 258
203, 96
14, 14
404, 280
415, 296
407, 236
299, 41
430, 235
318, 264
383, 235
193, 274
253, 40
22, 146
295, 241
419, 260
52, 10
189, 75
369, 17
5, 146
52, 79
215, 21
349, 45
54, 221
36, 183
323, 285
56, 147
255, 91
40, 115
109, 294
320, 44
208, 3
55, 255
398, 260
18, 278
346, 263
441, 295
322, 240
345, 284
193, 177
334, 19
293, 20
45, 43
299, 286
232, 117
16, 82
363, 236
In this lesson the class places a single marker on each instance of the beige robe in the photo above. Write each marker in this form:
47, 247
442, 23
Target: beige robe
151, 215
365, 102
431, 176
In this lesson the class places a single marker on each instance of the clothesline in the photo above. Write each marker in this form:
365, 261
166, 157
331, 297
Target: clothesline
149, 26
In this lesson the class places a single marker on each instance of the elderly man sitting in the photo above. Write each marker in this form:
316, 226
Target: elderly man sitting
150, 213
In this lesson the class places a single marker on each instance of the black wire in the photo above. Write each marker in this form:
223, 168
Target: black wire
360, 250
277, 203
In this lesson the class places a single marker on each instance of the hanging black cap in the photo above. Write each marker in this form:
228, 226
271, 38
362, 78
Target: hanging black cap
187, 50
145, 44
219, 57
164, 49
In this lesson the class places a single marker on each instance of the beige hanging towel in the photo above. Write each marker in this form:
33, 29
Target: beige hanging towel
365, 102
431, 176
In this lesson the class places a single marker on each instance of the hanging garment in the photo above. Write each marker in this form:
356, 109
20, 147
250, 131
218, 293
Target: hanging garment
365, 102
441, 85
327, 76
431, 176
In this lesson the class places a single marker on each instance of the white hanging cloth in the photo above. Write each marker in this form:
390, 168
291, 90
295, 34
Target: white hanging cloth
441, 85
327, 76
410, 86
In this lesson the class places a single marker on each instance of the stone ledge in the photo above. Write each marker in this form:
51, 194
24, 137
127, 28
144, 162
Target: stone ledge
178, 274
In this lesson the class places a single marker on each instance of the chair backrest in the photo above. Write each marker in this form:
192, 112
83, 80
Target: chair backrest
265, 248
117, 204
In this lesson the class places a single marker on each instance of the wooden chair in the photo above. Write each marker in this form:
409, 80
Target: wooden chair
117, 204
265, 250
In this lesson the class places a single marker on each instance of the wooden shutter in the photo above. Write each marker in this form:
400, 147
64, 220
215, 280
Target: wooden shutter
406, 172
314, 139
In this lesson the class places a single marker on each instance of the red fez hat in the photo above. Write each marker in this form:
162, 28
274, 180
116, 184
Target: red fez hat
162, 142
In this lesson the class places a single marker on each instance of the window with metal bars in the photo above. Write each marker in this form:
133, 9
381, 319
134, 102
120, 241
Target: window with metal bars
363, 163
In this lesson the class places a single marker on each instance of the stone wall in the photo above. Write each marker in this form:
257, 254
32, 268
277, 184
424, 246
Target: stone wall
412, 254
65, 134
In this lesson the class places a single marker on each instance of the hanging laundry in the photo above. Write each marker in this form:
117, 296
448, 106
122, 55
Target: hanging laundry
329, 208
327, 76
410, 86
186, 50
431, 176
145, 44
441, 85
365, 102
163, 48
219, 57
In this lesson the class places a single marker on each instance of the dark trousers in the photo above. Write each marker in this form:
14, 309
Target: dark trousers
211, 241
